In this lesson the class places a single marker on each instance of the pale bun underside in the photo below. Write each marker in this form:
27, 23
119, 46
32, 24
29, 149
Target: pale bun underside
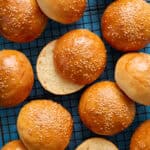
63, 11
97, 144
132, 74
49, 78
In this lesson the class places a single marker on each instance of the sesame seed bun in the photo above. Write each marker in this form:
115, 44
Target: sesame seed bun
132, 74
16, 78
105, 109
126, 24
63, 11
97, 144
14, 145
21, 21
80, 56
44, 125
48, 76
141, 137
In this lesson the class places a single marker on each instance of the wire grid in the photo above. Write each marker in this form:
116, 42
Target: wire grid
91, 21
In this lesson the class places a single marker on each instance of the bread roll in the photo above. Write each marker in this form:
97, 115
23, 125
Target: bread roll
141, 137
44, 125
14, 145
21, 20
126, 24
16, 78
48, 76
97, 144
80, 56
132, 74
63, 11
105, 109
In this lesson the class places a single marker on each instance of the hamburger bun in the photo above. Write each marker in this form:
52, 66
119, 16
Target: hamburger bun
14, 145
141, 137
48, 76
105, 109
80, 56
44, 125
132, 74
21, 21
126, 24
63, 11
97, 144
16, 78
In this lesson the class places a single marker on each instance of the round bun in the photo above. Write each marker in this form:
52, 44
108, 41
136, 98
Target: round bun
126, 24
132, 75
105, 109
16, 78
48, 76
80, 56
14, 145
44, 124
141, 137
63, 11
21, 21
97, 144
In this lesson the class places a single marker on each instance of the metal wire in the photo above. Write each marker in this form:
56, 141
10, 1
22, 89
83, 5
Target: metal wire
91, 21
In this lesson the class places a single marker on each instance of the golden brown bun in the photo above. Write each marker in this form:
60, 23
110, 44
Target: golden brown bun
21, 20
97, 144
16, 78
141, 137
14, 145
80, 56
48, 76
63, 11
105, 109
44, 125
126, 24
132, 75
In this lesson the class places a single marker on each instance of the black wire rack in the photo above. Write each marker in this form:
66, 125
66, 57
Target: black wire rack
91, 21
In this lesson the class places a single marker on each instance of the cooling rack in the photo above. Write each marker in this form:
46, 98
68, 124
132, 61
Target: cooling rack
91, 21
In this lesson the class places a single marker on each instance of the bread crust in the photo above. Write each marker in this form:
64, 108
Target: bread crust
80, 56
141, 137
126, 24
16, 78
14, 145
49, 77
105, 109
21, 20
44, 125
